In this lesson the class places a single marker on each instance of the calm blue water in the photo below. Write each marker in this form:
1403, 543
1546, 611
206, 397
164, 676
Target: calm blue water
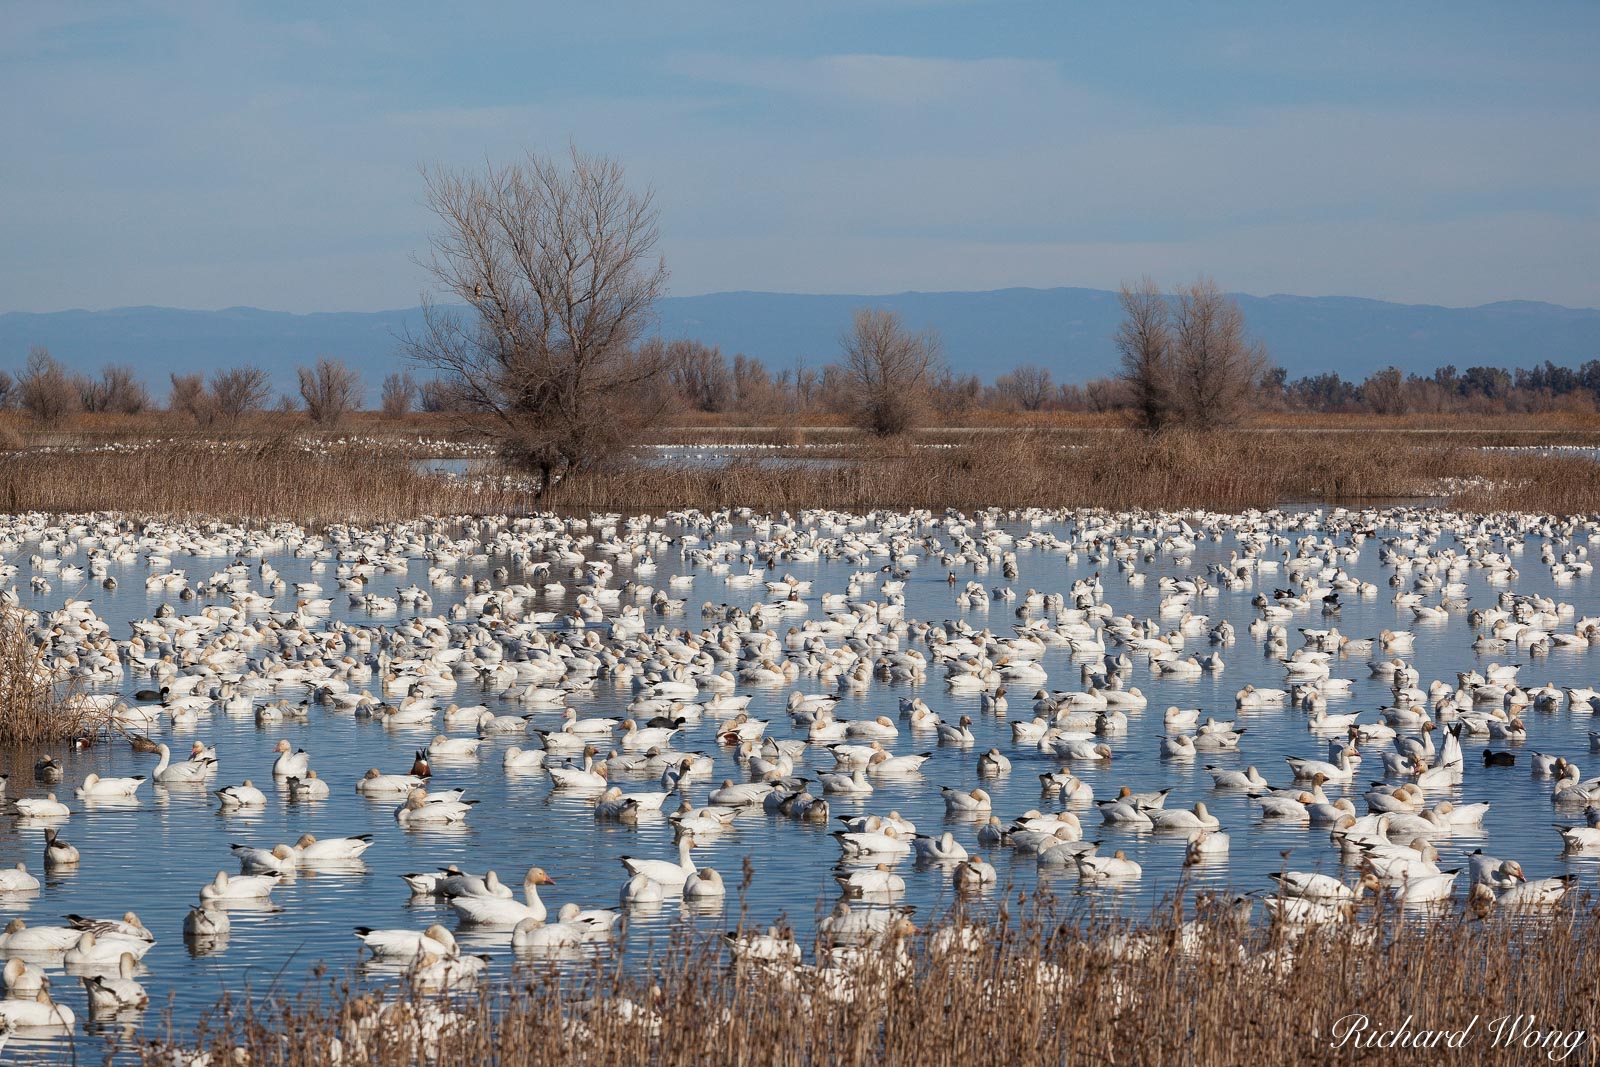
154, 856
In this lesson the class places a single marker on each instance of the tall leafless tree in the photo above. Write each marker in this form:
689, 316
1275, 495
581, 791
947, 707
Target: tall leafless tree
117, 391
330, 389
1027, 387
889, 370
557, 262
236, 391
1216, 368
399, 390
45, 390
1384, 392
953, 396
696, 372
190, 397
1144, 342
753, 387
1106, 394
438, 396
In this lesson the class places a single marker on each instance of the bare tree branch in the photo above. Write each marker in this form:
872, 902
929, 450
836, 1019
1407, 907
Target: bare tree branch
889, 371
556, 262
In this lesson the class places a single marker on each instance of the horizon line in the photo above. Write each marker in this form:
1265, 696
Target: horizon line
813, 295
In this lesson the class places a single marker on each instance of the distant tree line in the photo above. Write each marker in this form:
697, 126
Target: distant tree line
328, 390
1476, 390
913, 386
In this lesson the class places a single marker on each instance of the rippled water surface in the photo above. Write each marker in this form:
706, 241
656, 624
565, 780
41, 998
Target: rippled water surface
154, 855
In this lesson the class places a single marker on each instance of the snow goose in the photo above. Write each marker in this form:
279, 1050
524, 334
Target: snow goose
58, 853
974, 873
959, 734
108, 995
942, 849
96, 787
239, 887
17, 880
706, 884
993, 763
666, 872
310, 850
885, 841
1115, 867
208, 920
169, 773
521, 760
19, 937
308, 788
38, 1013
971, 802
1178, 819
1538, 892
291, 762
420, 810
279, 859
407, 944
879, 882
506, 911
238, 797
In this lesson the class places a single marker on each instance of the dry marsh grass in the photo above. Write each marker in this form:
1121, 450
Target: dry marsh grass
1034, 993
282, 478
36, 708
1218, 471
274, 480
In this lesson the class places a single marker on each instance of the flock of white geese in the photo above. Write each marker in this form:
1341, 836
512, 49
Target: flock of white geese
573, 604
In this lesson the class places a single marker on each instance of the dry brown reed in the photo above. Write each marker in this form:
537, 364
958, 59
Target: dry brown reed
35, 706
281, 478
1216, 471
1036, 993
272, 480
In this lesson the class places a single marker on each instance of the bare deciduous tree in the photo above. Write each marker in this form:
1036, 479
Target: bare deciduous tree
8, 390
953, 397
557, 261
889, 370
1144, 342
190, 397
752, 385
1384, 392
1027, 387
45, 390
236, 391
399, 390
1106, 394
1216, 368
697, 372
117, 391
329, 389
437, 396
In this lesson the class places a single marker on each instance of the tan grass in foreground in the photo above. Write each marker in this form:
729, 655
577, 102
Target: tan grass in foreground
1039, 995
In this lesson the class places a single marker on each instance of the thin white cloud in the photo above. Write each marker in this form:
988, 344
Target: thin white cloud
881, 80
856, 171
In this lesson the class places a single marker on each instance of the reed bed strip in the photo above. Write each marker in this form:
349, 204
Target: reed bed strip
1461, 990
269, 482
35, 706
1221, 472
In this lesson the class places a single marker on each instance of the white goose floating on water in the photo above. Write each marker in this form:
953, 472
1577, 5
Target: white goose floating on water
679, 684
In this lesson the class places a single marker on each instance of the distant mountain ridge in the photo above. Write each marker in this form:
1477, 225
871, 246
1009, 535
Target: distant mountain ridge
983, 333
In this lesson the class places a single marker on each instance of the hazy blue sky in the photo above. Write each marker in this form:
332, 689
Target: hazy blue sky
214, 153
